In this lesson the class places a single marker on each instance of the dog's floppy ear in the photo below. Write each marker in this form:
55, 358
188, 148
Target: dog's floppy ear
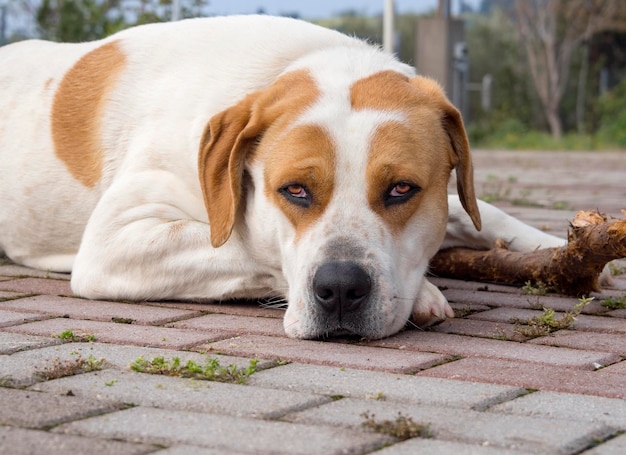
223, 148
453, 125
232, 134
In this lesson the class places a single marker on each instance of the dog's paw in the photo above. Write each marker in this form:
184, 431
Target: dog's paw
430, 307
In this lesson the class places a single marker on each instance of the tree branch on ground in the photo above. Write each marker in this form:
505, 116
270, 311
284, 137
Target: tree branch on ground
574, 269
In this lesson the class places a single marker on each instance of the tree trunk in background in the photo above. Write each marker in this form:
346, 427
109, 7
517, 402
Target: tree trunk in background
550, 32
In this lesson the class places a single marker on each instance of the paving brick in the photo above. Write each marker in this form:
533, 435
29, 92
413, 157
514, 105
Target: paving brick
37, 286
194, 450
333, 381
168, 427
183, 394
531, 434
616, 446
9, 295
20, 441
23, 368
235, 307
30, 409
97, 310
111, 332
567, 406
509, 315
463, 346
618, 368
8, 318
600, 324
231, 325
499, 299
479, 328
617, 313
14, 270
447, 283
327, 353
585, 340
521, 374
583, 322
14, 342
419, 446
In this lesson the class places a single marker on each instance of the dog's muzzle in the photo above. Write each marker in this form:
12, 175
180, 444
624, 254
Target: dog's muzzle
341, 287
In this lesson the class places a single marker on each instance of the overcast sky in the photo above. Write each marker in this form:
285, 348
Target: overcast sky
315, 9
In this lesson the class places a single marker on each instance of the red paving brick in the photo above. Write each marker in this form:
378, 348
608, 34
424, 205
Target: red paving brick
97, 310
498, 299
463, 346
236, 308
327, 353
37, 286
483, 329
8, 318
585, 340
557, 379
233, 325
110, 332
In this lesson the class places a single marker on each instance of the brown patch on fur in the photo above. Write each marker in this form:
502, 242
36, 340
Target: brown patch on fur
400, 154
305, 155
231, 137
78, 108
426, 150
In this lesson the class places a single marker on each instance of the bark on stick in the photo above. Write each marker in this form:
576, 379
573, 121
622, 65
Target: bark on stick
593, 241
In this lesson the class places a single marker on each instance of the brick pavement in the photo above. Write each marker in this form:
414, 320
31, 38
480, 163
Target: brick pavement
479, 385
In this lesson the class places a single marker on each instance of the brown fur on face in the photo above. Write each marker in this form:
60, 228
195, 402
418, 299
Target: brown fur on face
230, 136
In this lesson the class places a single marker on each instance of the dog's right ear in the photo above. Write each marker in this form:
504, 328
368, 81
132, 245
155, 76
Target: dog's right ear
223, 148
233, 133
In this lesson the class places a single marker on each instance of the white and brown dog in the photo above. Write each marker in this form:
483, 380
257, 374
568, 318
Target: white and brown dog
238, 157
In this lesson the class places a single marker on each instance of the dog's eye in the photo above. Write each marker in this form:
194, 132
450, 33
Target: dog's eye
400, 192
296, 193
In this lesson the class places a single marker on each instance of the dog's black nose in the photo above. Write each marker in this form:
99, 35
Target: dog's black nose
341, 286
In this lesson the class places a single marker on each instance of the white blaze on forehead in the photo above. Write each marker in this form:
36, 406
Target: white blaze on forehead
351, 132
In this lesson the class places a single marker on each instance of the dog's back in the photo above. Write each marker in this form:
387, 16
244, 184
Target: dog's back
68, 111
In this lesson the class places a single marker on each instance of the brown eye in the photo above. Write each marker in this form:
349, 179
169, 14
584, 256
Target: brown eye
297, 194
296, 191
400, 189
400, 192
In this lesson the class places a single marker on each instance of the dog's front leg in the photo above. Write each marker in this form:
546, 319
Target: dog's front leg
148, 239
497, 224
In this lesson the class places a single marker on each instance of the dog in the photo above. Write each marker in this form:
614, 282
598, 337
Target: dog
239, 157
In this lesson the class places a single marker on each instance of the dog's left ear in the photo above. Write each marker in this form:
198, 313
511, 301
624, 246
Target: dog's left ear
453, 125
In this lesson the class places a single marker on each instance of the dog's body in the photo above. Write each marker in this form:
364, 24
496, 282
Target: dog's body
319, 162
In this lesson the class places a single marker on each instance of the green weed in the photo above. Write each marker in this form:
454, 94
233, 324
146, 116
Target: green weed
210, 371
69, 335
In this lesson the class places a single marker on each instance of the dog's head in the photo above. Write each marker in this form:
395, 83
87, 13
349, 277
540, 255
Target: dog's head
348, 179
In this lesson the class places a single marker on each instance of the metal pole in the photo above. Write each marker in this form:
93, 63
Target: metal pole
388, 32
176, 10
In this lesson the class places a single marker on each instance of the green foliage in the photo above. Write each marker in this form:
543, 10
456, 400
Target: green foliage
547, 322
615, 303
86, 20
69, 335
612, 107
210, 371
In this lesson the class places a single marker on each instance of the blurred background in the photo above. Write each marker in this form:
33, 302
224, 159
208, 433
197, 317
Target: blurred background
527, 74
